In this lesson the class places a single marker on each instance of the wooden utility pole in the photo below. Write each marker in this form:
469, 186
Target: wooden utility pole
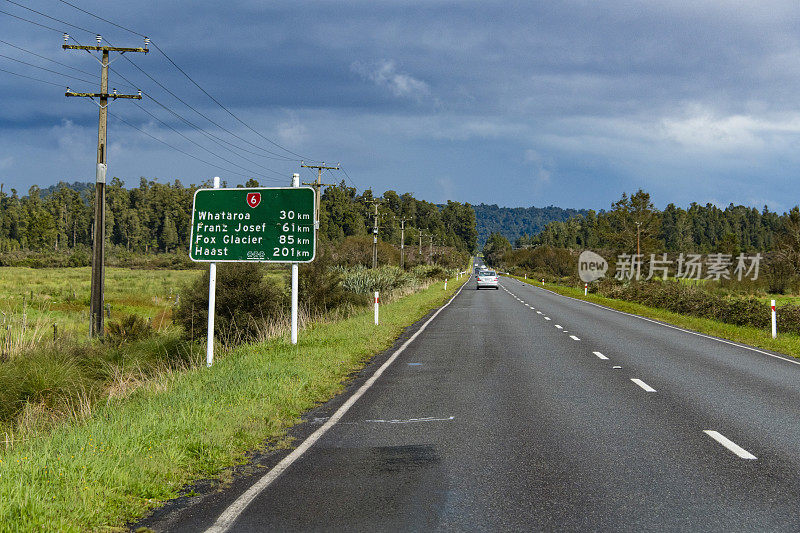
430, 251
98, 244
402, 242
375, 235
420, 244
318, 185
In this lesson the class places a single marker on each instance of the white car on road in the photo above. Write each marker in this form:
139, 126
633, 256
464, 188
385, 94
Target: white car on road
486, 278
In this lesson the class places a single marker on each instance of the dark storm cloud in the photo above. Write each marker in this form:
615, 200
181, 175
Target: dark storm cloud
570, 102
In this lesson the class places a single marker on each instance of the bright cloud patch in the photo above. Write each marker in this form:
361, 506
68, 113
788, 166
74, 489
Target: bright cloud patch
385, 74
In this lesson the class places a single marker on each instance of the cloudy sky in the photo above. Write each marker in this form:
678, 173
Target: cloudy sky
545, 102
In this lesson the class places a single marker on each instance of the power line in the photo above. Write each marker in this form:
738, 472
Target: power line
117, 117
46, 58
49, 17
277, 156
207, 134
155, 45
200, 145
348, 177
281, 157
101, 18
32, 78
223, 107
46, 69
32, 22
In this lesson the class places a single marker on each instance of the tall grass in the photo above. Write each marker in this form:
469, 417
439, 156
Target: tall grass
147, 440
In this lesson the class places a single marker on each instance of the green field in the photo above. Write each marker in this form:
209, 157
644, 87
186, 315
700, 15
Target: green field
43, 297
39, 298
118, 458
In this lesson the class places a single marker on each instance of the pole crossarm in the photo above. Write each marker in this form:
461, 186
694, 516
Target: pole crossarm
104, 48
318, 185
105, 95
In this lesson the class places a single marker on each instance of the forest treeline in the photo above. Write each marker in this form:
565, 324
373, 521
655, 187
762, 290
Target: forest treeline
155, 217
634, 223
514, 222
699, 228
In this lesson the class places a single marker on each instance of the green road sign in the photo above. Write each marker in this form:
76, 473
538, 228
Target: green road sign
271, 224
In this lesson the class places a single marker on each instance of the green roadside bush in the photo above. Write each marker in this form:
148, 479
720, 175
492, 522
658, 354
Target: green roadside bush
695, 300
246, 303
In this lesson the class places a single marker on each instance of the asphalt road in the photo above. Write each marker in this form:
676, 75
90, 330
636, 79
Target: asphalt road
517, 409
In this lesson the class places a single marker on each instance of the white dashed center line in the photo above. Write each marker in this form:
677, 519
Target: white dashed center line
559, 327
643, 385
573, 337
732, 446
601, 356
538, 312
547, 318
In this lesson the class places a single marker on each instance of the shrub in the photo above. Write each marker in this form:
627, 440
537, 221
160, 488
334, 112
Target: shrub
246, 302
127, 329
321, 288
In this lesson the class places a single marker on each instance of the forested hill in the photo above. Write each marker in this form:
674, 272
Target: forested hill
513, 222
156, 217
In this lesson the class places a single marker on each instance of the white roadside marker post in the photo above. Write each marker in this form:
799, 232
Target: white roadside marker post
542, 282
774, 320
295, 271
212, 294
445, 283
585, 289
376, 307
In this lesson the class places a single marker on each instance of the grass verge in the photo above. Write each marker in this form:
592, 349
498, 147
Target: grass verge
786, 343
131, 454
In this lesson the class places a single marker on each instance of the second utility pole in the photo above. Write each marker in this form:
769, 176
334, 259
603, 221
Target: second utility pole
318, 185
98, 244
375, 236
402, 242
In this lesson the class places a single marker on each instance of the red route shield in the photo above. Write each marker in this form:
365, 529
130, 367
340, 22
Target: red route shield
253, 199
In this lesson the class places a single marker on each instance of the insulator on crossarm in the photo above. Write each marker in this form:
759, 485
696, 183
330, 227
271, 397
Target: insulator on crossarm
66, 38
99, 39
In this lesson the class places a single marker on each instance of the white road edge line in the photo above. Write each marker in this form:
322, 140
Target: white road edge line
643, 385
738, 345
231, 514
732, 446
601, 356
573, 337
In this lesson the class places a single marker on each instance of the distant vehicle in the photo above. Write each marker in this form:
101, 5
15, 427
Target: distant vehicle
486, 278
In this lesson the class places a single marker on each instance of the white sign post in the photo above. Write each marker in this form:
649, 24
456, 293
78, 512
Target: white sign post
295, 183
212, 296
774, 320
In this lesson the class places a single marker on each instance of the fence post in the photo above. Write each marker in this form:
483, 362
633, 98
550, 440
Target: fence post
774, 320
